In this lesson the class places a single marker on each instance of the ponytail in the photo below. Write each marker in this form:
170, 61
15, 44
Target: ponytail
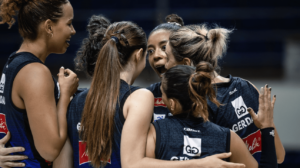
198, 43
200, 88
99, 110
191, 87
121, 39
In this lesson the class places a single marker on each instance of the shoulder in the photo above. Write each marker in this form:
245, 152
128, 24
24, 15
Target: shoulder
245, 83
216, 127
142, 95
35, 74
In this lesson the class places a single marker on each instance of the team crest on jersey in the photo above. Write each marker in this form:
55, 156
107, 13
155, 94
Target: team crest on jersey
83, 157
192, 146
253, 142
158, 117
3, 127
2, 83
239, 107
158, 102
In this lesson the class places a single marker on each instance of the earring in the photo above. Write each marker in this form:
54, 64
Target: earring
50, 34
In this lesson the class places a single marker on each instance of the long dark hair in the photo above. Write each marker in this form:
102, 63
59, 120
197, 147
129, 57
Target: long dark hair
30, 14
199, 43
191, 87
119, 42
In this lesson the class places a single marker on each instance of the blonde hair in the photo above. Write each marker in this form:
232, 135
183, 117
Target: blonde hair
199, 43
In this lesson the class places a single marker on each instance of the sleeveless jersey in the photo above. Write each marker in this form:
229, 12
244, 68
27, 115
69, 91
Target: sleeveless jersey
184, 139
236, 96
74, 114
160, 109
16, 120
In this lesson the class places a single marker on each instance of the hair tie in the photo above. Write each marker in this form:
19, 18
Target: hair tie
115, 39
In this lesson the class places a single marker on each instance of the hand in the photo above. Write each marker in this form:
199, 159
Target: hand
215, 161
68, 81
264, 117
6, 160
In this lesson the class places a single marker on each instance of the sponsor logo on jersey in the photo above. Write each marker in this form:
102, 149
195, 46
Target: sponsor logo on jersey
231, 93
158, 117
83, 157
192, 146
2, 100
158, 102
2, 83
190, 130
3, 126
253, 142
272, 133
179, 158
244, 123
239, 107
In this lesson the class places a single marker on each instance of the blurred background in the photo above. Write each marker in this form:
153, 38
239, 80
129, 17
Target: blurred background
264, 48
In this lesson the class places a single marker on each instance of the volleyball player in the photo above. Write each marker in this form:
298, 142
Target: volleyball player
33, 105
194, 43
189, 134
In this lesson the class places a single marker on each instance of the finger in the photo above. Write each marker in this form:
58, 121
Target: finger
266, 90
234, 165
70, 73
223, 155
252, 113
13, 164
273, 101
5, 139
13, 157
269, 94
61, 71
261, 97
6, 151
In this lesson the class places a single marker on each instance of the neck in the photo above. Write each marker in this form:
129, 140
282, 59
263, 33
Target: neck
37, 48
128, 75
219, 79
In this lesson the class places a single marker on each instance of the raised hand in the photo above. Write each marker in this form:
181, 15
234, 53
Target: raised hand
6, 160
68, 81
264, 117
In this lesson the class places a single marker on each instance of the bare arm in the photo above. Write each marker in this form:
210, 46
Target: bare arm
280, 151
65, 158
48, 124
138, 110
240, 153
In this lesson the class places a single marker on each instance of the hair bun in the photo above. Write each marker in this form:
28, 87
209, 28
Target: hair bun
175, 19
97, 25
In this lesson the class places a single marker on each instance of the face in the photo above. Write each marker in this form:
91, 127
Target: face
156, 50
141, 64
63, 30
171, 61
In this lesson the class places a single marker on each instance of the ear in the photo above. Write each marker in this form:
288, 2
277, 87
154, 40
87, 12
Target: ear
48, 27
187, 61
139, 55
172, 104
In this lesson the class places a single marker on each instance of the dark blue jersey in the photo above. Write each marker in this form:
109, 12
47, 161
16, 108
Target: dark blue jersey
178, 138
160, 109
74, 118
236, 96
16, 120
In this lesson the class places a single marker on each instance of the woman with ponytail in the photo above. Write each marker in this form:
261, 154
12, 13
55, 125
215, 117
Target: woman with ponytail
190, 135
192, 44
100, 116
34, 104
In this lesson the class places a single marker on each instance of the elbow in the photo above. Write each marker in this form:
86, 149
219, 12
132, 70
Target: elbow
281, 157
48, 153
